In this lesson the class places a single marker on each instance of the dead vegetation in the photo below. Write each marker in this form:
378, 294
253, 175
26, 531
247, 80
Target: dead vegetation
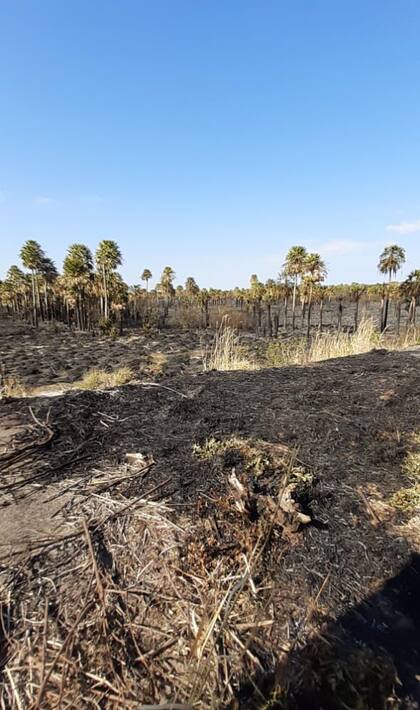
226, 352
100, 379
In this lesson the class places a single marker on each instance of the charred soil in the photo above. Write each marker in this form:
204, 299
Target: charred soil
214, 540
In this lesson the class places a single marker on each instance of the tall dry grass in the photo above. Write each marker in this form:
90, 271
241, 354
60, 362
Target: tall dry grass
226, 351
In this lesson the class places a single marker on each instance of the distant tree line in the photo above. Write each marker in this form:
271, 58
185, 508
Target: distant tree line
89, 293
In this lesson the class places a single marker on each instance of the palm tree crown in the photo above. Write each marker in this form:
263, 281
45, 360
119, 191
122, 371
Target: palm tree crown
108, 255
32, 255
295, 261
391, 260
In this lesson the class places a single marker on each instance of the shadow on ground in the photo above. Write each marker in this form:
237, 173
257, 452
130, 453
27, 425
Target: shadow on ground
368, 658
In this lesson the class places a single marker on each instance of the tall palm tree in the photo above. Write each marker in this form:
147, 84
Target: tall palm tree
166, 282
108, 257
294, 266
32, 257
356, 291
390, 261
410, 289
256, 293
146, 276
192, 289
49, 274
315, 272
16, 283
78, 273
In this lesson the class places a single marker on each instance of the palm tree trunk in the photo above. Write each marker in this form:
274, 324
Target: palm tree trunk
34, 308
308, 331
106, 305
340, 314
356, 314
269, 322
294, 303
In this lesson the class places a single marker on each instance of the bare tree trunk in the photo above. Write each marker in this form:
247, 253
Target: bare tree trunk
275, 325
269, 322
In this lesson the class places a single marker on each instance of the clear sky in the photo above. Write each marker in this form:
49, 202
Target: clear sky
211, 135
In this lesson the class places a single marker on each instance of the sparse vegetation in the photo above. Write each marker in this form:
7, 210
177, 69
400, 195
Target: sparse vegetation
100, 379
407, 500
12, 387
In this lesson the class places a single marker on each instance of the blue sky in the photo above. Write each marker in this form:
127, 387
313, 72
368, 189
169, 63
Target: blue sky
211, 135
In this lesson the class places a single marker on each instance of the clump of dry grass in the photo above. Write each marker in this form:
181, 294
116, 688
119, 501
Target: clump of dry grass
156, 363
226, 352
12, 387
331, 345
99, 379
408, 499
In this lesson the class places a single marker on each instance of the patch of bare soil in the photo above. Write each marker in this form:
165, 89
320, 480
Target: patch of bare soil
245, 555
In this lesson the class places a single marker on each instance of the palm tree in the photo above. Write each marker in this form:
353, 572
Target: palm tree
146, 276
315, 272
410, 289
32, 257
256, 293
48, 274
108, 257
165, 284
78, 273
119, 296
390, 261
192, 289
294, 267
16, 284
356, 292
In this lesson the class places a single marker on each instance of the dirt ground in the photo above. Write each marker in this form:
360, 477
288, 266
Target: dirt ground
347, 425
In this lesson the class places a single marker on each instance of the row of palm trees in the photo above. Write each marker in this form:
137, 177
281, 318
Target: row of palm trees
91, 292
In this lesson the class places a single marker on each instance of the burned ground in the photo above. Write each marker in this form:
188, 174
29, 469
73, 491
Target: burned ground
339, 430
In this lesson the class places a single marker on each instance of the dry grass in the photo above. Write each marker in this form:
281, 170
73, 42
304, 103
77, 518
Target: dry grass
12, 387
226, 352
156, 363
408, 499
325, 346
99, 379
